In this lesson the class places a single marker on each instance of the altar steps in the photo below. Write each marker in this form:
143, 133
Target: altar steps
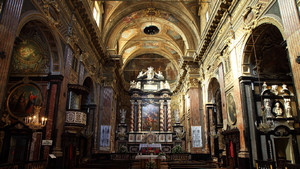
122, 164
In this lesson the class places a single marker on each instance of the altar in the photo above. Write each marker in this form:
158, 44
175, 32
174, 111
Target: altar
150, 145
150, 116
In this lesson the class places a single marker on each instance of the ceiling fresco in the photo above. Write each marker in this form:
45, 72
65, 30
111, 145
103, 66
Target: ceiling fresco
176, 31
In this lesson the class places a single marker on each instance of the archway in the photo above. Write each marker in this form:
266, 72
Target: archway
266, 62
35, 56
215, 121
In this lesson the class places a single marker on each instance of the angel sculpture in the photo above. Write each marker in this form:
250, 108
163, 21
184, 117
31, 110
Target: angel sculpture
123, 115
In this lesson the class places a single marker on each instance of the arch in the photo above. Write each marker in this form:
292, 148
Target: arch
268, 19
90, 98
265, 53
213, 86
53, 40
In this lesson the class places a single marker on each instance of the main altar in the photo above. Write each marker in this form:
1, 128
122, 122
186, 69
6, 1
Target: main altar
150, 116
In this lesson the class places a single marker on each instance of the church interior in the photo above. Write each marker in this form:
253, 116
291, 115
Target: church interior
144, 84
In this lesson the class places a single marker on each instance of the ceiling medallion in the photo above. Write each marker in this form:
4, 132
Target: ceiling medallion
151, 30
152, 12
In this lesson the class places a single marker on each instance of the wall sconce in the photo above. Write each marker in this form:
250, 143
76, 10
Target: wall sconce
34, 122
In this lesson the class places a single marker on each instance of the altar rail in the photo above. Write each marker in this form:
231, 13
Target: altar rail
26, 165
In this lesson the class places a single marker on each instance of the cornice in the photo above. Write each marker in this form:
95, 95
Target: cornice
86, 18
214, 22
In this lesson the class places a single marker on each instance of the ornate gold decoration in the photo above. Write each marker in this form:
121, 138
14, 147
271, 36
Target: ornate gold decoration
52, 12
250, 16
6, 120
152, 12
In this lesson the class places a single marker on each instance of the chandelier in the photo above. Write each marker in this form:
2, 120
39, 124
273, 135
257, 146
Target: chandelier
34, 122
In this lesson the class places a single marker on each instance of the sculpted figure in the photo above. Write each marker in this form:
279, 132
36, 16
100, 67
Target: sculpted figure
140, 74
176, 116
138, 85
159, 75
150, 73
162, 86
123, 115
277, 110
132, 84
167, 85
275, 89
288, 108
267, 104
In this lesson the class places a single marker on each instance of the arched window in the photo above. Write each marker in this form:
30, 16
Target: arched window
97, 13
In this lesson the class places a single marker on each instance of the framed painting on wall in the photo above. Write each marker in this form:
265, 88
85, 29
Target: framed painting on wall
22, 99
150, 117
197, 136
231, 109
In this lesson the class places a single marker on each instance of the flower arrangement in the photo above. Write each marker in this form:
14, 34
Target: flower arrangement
150, 164
177, 149
150, 150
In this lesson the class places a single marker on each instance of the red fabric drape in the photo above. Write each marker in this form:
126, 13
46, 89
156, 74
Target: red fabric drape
231, 149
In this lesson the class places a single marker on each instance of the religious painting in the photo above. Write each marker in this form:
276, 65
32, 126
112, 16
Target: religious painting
162, 138
169, 137
196, 136
131, 138
231, 110
105, 137
150, 117
22, 99
30, 53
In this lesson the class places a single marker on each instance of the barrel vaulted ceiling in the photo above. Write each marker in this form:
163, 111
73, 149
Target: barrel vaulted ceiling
124, 23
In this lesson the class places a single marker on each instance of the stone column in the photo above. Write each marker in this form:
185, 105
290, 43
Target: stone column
140, 116
161, 115
61, 116
291, 24
169, 115
132, 115
9, 25
54, 91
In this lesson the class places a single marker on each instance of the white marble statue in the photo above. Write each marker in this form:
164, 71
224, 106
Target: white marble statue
132, 84
150, 73
123, 115
162, 86
268, 108
138, 85
275, 89
159, 75
140, 74
176, 116
287, 107
277, 110
167, 85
